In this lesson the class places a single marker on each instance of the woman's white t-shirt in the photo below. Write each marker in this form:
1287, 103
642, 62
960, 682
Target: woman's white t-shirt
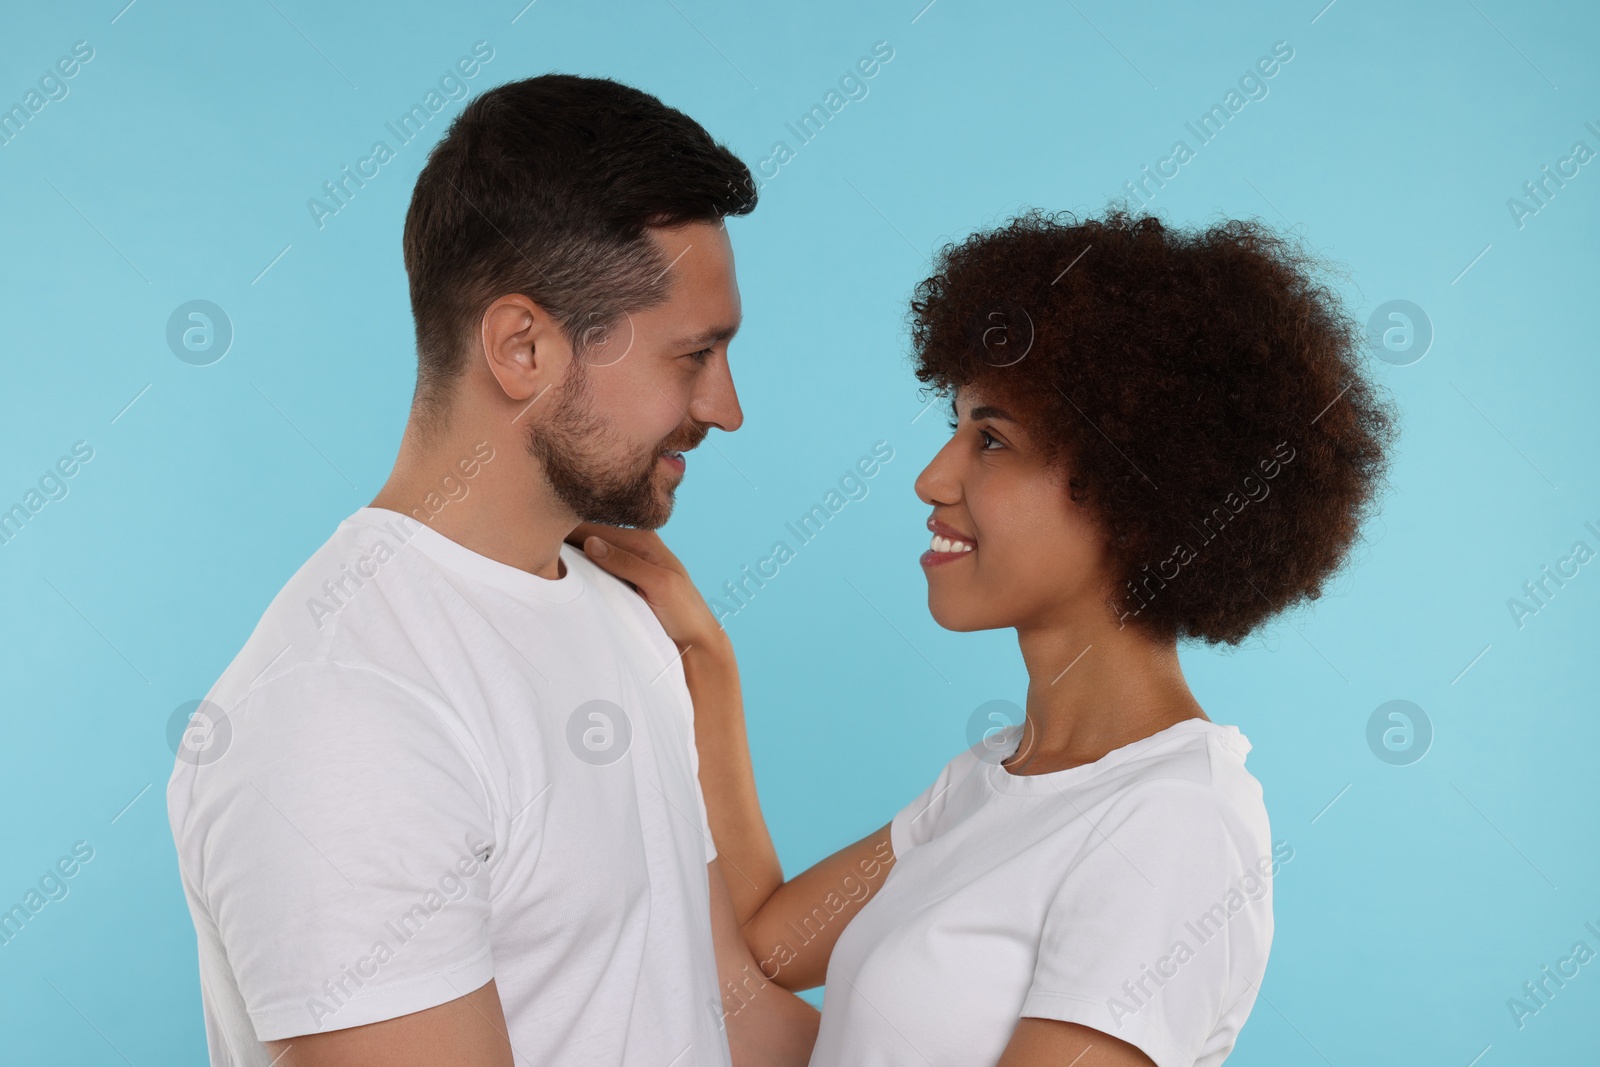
1132, 895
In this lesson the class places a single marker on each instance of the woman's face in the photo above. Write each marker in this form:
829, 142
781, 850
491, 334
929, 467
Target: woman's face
1009, 548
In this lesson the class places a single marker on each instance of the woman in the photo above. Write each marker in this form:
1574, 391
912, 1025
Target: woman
1157, 435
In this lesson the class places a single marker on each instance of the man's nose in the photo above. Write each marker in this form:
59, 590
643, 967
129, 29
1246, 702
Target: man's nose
717, 403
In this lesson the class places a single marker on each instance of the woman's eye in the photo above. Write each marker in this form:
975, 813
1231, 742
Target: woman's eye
988, 440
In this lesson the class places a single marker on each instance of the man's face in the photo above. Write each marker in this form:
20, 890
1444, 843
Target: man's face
647, 389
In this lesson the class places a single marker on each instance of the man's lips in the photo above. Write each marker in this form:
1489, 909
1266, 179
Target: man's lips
948, 544
672, 451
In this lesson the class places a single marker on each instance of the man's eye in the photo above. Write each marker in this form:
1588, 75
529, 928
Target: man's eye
702, 355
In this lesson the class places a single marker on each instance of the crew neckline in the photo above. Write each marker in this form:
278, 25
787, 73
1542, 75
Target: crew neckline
459, 558
1054, 781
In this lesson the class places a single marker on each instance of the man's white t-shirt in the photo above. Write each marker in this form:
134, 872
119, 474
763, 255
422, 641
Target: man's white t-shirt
427, 769
1132, 895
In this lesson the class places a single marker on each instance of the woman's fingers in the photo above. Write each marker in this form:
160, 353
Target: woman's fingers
584, 530
622, 562
646, 544
681, 610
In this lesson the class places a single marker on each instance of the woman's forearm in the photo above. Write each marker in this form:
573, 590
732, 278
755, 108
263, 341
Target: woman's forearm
793, 934
744, 846
790, 926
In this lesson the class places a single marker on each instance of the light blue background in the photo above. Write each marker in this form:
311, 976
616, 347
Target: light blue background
179, 167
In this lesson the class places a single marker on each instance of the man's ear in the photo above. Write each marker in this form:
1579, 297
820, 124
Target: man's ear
524, 347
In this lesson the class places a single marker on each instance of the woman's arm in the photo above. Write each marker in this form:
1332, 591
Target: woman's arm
744, 845
1049, 1042
790, 926
794, 931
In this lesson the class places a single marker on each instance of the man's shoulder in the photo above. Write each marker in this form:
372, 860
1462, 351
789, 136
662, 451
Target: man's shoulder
317, 616
620, 599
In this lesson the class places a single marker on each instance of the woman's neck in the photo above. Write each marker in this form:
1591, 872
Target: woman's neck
1092, 689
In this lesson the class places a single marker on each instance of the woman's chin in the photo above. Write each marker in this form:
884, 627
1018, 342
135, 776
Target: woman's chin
959, 618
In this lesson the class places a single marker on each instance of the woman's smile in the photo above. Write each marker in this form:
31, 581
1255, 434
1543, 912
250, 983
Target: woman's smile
948, 544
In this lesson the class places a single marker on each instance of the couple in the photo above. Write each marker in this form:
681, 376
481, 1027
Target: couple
475, 795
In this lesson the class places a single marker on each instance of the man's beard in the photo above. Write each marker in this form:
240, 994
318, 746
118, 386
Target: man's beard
592, 472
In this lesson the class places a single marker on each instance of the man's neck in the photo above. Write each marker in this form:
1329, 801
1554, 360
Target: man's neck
501, 510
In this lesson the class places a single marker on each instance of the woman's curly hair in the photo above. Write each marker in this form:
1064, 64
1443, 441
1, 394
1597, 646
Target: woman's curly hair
1203, 390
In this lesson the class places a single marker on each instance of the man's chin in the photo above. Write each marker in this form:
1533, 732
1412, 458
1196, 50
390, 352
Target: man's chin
666, 499
652, 519
662, 514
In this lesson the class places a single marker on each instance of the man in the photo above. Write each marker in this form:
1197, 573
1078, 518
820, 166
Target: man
445, 809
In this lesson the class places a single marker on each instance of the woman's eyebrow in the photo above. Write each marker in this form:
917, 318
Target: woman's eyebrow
989, 411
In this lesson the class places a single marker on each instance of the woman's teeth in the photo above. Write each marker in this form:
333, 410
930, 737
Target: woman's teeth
945, 544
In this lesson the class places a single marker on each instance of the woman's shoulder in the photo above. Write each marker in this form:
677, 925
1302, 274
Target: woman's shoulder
1197, 782
1197, 751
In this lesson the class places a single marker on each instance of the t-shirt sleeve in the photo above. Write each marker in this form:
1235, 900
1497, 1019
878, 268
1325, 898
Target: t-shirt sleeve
672, 675
679, 682
342, 845
1160, 926
918, 821
694, 777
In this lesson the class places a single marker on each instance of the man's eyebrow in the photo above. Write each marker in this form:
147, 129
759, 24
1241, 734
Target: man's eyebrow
706, 338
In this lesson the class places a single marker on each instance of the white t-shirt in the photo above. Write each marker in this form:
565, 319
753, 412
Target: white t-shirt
1132, 895
427, 769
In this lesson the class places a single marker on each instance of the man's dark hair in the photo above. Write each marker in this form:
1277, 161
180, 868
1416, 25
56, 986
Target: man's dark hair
545, 187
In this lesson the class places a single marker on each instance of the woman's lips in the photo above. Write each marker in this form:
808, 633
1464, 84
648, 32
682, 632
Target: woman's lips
933, 557
948, 545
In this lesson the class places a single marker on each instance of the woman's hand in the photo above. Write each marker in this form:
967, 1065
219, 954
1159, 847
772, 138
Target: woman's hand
745, 855
640, 558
